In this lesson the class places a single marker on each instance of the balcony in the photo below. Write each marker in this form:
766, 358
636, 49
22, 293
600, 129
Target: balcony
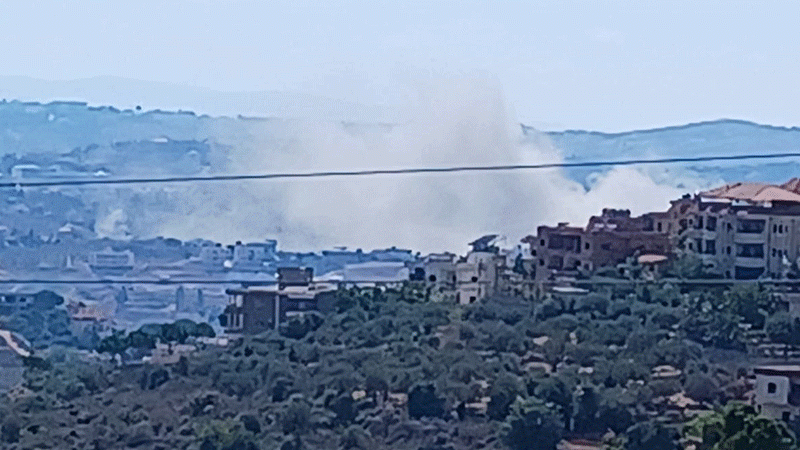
749, 238
750, 262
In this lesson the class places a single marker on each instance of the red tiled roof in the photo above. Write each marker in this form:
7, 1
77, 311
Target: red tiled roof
753, 192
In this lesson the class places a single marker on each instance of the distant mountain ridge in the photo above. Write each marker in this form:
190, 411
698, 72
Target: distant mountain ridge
724, 137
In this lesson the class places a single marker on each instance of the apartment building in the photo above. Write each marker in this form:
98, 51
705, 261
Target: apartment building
607, 240
744, 230
255, 310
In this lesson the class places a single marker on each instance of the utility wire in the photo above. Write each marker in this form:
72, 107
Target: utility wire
374, 172
608, 281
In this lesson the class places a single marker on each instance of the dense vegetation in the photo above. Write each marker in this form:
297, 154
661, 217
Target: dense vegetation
391, 370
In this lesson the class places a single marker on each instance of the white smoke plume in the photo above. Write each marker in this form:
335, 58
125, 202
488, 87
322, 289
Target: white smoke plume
454, 123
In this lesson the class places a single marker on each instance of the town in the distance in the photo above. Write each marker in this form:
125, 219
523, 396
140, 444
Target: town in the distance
673, 329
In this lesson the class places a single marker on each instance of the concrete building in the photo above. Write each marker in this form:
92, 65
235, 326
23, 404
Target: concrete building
777, 391
477, 274
607, 240
254, 255
213, 257
258, 309
743, 230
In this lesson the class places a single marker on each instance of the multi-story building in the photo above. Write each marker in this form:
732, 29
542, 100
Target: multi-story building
254, 256
607, 240
744, 230
777, 391
257, 309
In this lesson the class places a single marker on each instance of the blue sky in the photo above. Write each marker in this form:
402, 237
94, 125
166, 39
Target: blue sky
562, 64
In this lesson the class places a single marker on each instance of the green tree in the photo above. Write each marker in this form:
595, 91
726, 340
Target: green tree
532, 425
738, 426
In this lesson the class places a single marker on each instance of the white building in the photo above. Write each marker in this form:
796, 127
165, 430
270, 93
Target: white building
778, 391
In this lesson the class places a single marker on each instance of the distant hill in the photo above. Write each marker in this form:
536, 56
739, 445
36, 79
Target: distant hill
720, 137
127, 93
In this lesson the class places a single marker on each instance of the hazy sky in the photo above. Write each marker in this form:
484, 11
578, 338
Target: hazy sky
562, 64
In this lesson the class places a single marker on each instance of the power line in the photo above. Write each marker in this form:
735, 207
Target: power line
403, 171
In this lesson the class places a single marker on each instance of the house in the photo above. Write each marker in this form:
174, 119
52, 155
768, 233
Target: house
777, 391
607, 240
254, 310
254, 256
13, 350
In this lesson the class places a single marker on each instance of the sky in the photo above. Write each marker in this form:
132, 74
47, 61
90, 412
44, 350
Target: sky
599, 65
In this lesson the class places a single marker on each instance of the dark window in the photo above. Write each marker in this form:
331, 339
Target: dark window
711, 247
753, 226
750, 250
787, 416
474, 279
774, 228
728, 250
711, 224
658, 227
699, 224
541, 262
586, 246
541, 242
472, 299
772, 388
432, 278
699, 245
565, 242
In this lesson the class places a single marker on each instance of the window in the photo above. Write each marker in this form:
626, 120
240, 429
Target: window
787, 416
432, 278
751, 226
586, 246
711, 247
474, 279
728, 250
541, 242
541, 262
606, 246
774, 228
658, 227
772, 388
711, 224
750, 250
472, 299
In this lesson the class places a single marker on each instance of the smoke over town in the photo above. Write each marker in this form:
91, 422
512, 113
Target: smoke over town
461, 122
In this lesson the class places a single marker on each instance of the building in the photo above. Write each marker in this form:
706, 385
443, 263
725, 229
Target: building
258, 309
13, 350
213, 256
254, 256
777, 391
478, 274
743, 231
111, 262
607, 240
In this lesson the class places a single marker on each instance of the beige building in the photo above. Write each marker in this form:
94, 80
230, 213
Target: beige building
744, 230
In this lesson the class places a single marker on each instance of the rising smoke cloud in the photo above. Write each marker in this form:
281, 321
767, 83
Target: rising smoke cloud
457, 122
